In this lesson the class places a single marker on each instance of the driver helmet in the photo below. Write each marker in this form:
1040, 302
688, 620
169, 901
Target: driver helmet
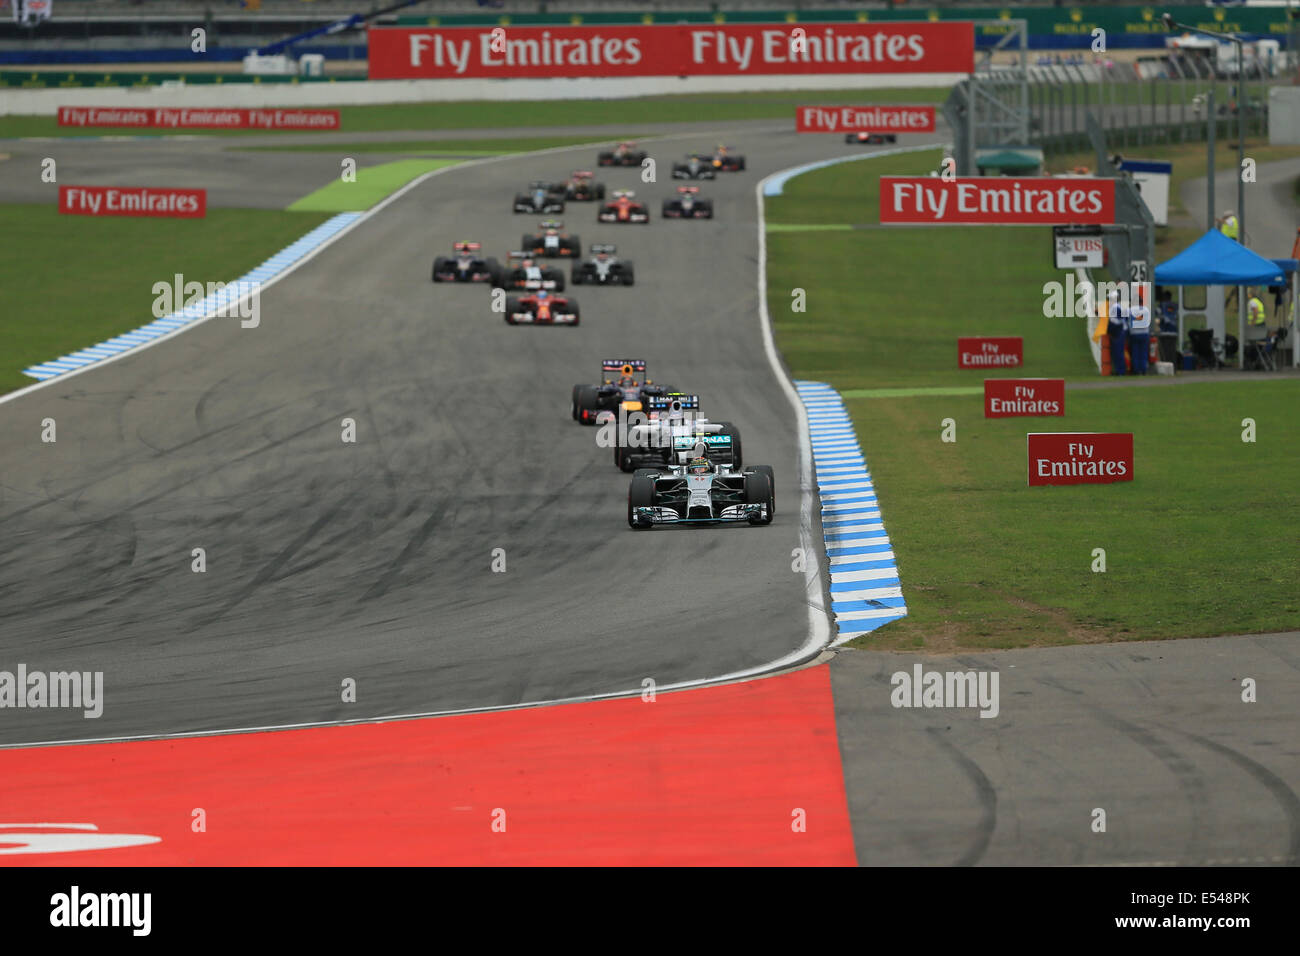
699, 466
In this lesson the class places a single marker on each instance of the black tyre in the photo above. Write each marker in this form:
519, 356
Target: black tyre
439, 263
573, 307
586, 397
575, 247
576, 277
628, 276
526, 243
557, 275
573, 403
771, 482
737, 454
640, 494
758, 490
600, 190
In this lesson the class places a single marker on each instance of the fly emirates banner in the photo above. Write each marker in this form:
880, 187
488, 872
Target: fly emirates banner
507, 52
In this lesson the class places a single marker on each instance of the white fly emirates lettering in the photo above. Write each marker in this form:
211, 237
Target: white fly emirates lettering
871, 119
717, 47
1024, 402
1081, 464
541, 51
1000, 201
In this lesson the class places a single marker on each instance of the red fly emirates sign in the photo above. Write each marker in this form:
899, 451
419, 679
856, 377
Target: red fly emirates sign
864, 119
991, 351
1080, 458
169, 118
997, 200
1009, 397
133, 201
508, 52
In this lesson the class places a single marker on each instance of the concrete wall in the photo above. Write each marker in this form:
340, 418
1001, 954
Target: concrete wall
249, 95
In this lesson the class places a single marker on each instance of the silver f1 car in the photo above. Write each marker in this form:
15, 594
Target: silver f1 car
695, 166
670, 433
700, 492
603, 268
540, 198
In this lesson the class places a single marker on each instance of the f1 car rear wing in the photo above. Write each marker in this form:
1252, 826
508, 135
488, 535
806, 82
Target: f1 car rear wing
624, 194
603, 248
550, 224
664, 403
632, 366
468, 246
688, 189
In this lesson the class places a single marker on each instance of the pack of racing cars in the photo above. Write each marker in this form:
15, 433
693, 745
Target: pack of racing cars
685, 468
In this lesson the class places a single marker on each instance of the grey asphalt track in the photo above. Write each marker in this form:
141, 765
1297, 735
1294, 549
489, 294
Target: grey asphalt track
372, 560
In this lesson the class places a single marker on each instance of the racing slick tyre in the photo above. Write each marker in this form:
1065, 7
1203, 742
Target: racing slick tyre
771, 483
600, 190
737, 456
623, 458
439, 264
577, 317
758, 490
512, 306
585, 397
576, 277
628, 275
574, 249
640, 494
557, 276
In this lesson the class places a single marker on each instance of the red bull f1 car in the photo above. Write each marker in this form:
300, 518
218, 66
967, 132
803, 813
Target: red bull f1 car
728, 160
624, 389
541, 308
623, 208
466, 265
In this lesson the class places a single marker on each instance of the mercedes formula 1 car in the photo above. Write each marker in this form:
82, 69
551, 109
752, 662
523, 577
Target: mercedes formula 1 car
728, 161
465, 266
623, 208
671, 429
623, 155
522, 272
695, 166
540, 198
603, 268
701, 492
688, 205
552, 241
623, 389
582, 187
871, 139
541, 308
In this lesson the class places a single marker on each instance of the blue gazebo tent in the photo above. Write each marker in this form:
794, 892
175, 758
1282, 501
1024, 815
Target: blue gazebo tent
1214, 259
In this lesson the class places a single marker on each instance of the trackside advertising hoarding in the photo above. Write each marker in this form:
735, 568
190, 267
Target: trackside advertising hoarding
1079, 458
1011, 397
997, 200
133, 201
200, 118
510, 52
990, 351
864, 119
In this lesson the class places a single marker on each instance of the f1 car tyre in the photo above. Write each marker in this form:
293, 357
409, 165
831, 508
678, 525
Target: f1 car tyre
640, 494
438, 265
628, 277
771, 481
737, 458
584, 396
621, 458
758, 490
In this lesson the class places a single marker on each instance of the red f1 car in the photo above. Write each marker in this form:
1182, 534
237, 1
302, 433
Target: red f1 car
541, 308
623, 155
623, 208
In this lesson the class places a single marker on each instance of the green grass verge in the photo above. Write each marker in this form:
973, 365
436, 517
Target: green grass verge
1196, 545
493, 146
373, 184
83, 279
698, 107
